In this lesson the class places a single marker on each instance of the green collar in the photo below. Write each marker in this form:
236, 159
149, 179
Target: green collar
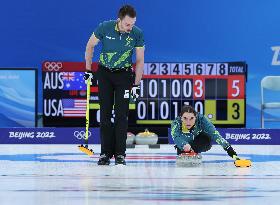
117, 28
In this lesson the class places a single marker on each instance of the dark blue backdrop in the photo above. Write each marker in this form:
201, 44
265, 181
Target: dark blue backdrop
180, 30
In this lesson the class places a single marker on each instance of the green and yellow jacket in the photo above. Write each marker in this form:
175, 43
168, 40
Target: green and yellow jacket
182, 136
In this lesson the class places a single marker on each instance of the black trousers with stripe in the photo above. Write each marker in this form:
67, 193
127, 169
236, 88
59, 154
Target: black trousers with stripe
114, 90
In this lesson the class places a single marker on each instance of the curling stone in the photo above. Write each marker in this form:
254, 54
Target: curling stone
146, 138
130, 138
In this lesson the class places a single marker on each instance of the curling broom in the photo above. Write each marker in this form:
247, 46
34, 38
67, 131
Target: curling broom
241, 162
84, 148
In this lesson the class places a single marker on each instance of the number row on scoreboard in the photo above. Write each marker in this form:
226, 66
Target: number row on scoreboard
229, 88
218, 111
186, 69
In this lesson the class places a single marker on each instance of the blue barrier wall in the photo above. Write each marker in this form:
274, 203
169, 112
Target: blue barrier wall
74, 135
182, 30
77, 136
245, 136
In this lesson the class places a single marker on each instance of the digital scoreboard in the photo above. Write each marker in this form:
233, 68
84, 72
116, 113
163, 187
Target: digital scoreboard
217, 90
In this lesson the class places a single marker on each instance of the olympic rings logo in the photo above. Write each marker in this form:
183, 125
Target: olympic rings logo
53, 66
81, 134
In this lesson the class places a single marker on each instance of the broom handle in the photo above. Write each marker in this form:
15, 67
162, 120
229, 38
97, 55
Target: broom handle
87, 111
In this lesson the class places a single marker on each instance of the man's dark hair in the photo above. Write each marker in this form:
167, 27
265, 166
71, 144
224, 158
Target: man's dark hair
127, 10
188, 109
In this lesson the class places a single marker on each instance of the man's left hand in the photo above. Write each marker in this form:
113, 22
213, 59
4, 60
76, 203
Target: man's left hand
135, 92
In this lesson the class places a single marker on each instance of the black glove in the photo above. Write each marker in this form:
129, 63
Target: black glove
231, 152
135, 92
88, 76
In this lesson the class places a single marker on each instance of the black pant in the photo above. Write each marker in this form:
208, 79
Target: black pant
114, 89
201, 143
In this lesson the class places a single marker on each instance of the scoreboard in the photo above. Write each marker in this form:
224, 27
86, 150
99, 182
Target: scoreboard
216, 90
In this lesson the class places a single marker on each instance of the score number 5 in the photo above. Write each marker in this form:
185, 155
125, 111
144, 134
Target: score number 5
235, 86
